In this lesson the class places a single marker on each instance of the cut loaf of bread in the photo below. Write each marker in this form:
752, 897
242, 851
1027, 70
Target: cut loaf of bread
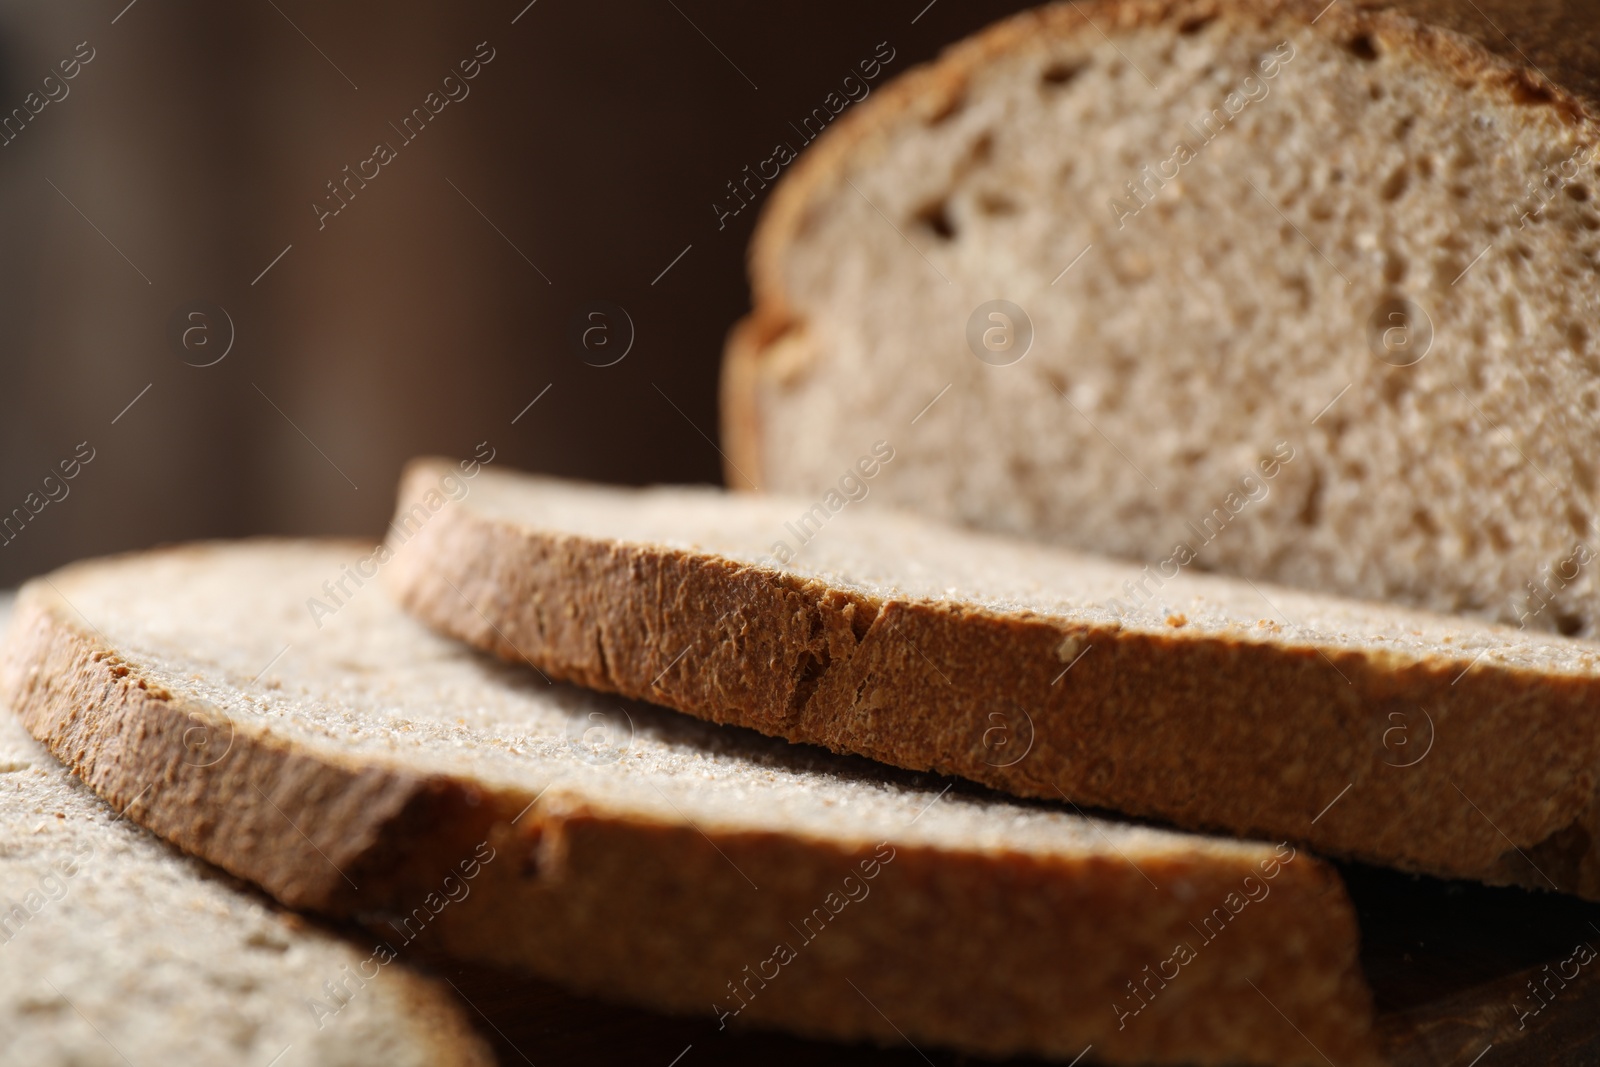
355, 762
115, 948
1362, 235
1445, 746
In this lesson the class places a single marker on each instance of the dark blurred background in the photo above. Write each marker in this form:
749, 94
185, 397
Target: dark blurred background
185, 157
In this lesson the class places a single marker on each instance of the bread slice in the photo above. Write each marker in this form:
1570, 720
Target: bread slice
116, 948
1437, 745
367, 766
1355, 244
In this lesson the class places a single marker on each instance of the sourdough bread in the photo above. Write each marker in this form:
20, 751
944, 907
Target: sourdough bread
116, 948
357, 763
1439, 745
1363, 236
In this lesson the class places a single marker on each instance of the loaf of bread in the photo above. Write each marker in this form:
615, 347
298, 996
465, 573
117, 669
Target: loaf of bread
1098, 269
115, 948
272, 710
1432, 744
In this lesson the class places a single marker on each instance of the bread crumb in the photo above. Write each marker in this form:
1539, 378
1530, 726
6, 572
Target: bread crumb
1178, 620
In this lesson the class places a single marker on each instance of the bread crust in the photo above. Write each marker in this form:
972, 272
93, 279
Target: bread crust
741, 421
1555, 59
987, 950
1156, 724
418, 1012
149, 752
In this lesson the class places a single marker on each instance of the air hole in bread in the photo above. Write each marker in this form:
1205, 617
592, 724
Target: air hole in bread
1311, 506
1424, 522
947, 109
1394, 267
1395, 185
1569, 625
1396, 384
1301, 288
1362, 47
1526, 90
1021, 467
1193, 25
935, 216
996, 204
1577, 520
1578, 192
982, 149
1059, 74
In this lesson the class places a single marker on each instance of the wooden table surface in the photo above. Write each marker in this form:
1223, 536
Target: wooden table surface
1449, 965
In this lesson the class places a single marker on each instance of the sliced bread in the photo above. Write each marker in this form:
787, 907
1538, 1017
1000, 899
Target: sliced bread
1433, 744
115, 948
354, 762
1099, 270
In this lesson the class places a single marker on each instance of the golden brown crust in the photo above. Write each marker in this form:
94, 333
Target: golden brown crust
1034, 968
412, 1009
741, 418
1250, 736
631, 908
1551, 56
166, 759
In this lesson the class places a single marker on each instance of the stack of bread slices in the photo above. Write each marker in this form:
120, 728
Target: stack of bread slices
802, 760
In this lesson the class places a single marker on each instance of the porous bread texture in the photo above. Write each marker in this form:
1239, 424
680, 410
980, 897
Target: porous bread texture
637, 854
1440, 745
116, 948
1294, 178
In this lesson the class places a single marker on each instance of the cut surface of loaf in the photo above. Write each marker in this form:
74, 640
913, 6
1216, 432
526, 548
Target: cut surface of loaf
1434, 744
354, 761
1357, 245
117, 948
